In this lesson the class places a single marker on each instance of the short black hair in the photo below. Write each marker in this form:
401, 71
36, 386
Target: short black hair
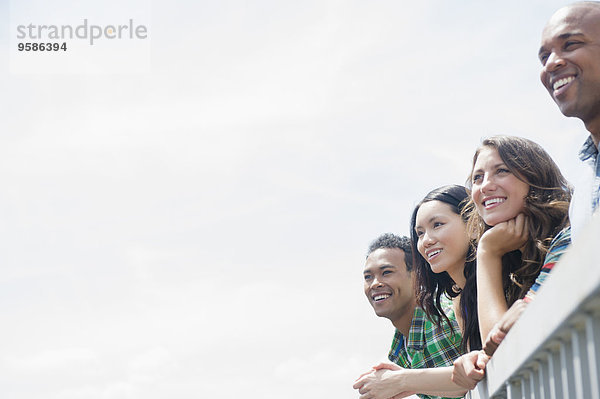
389, 240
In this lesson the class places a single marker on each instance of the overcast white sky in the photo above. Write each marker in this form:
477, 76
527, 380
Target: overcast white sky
198, 229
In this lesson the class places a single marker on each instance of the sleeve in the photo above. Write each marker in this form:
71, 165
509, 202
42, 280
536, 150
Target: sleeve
558, 247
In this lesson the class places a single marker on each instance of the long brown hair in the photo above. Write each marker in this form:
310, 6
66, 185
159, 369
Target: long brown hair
546, 208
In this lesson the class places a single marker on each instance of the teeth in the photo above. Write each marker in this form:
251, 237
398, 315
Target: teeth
561, 82
433, 253
380, 297
493, 201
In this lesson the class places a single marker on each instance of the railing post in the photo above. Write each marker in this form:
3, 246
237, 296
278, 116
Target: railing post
592, 329
566, 366
580, 363
513, 390
555, 386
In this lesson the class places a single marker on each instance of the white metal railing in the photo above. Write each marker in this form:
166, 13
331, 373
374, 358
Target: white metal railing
553, 351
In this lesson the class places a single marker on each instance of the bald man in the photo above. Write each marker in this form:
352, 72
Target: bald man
570, 57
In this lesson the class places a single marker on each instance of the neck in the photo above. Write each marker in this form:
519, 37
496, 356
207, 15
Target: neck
593, 127
403, 323
458, 275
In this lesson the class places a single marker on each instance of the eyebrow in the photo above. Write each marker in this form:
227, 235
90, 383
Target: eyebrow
382, 267
493, 167
563, 36
431, 219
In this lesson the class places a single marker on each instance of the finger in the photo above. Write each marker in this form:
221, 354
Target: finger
386, 366
476, 374
482, 359
358, 384
363, 374
520, 225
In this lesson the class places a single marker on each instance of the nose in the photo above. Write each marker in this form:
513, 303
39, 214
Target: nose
554, 62
428, 239
375, 283
487, 184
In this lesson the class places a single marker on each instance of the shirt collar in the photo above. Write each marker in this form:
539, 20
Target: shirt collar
415, 334
588, 150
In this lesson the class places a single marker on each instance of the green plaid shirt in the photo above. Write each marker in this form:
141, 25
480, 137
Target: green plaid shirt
427, 345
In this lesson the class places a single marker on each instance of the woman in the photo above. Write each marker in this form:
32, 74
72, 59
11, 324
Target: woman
444, 263
518, 205
442, 249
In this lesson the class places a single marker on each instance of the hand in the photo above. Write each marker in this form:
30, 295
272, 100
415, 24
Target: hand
381, 384
469, 369
503, 326
505, 236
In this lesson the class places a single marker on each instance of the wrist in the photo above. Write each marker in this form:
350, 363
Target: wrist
487, 255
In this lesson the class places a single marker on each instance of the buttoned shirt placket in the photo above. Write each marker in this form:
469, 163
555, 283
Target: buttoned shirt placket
589, 156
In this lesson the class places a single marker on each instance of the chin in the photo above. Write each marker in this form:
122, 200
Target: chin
494, 220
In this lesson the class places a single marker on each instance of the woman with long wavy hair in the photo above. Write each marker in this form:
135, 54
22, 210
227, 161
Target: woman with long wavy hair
518, 211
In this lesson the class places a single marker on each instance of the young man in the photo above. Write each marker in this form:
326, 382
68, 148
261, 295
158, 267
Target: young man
570, 57
418, 343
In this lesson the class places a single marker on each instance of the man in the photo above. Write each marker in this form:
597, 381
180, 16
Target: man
418, 343
570, 57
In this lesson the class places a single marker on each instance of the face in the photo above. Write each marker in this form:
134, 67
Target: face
388, 285
442, 238
570, 57
497, 193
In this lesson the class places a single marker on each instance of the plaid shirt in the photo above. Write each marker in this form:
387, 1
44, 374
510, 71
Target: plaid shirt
427, 345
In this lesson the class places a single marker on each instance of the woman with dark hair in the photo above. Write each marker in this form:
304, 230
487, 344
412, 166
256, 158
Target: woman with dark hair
445, 267
443, 263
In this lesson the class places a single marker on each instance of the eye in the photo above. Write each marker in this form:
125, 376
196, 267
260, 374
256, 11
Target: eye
543, 58
477, 178
386, 272
367, 277
437, 224
419, 233
571, 44
502, 171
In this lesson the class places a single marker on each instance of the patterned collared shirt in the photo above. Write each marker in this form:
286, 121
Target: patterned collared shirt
589, 156
587, 188
427, 345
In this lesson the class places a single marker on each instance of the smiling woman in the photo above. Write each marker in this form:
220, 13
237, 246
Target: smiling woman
519, 204
426, 344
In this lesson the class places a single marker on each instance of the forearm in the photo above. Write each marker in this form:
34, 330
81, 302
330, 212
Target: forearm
435, 381
491, 303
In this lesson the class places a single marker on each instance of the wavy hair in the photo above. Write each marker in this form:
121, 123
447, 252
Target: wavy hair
430, 286
546, 208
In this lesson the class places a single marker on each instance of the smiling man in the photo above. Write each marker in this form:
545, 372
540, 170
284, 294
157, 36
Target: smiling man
570, 57
389, 286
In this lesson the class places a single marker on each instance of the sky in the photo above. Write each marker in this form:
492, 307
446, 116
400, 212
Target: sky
187, 216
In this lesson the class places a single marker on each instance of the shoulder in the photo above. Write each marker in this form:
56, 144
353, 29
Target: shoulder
560, 242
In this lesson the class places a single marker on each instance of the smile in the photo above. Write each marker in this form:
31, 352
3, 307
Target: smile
380, 297
493, 201
562, 82
433, 253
